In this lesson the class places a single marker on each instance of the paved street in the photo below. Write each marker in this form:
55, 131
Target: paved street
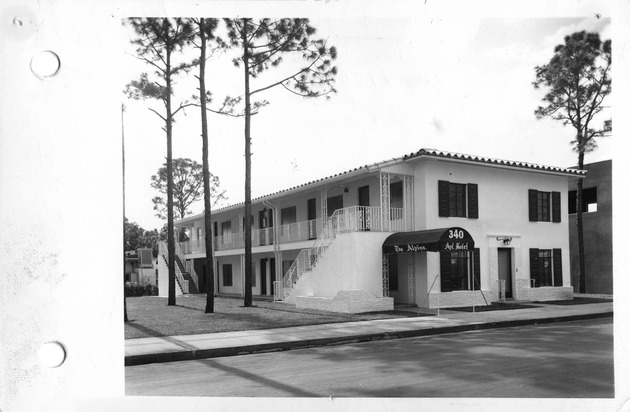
573, 359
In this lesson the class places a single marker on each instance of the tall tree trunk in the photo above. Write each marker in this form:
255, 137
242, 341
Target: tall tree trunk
248, 173
206, 173
170, 232
581, 286
122, 119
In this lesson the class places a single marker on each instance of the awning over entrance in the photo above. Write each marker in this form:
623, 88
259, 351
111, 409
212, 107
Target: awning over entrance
434, 240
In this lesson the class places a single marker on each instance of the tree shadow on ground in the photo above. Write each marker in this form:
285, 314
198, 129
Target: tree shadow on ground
568, 360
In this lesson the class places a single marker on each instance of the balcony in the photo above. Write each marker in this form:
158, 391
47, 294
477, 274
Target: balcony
349, 219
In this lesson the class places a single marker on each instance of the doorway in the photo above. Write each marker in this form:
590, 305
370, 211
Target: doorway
272, 270
311, 211
505, 270
364, 200
263, 276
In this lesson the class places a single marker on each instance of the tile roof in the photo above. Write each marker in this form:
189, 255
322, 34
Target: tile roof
420, 153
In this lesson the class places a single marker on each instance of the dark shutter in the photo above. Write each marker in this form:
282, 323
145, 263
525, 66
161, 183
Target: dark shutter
443, 197
533, 205
476, 270
533, 266
473, 201
555, 207
445, 272
557, 267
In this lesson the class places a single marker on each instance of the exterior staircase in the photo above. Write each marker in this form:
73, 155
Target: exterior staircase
192, 287
176, 278
307, 258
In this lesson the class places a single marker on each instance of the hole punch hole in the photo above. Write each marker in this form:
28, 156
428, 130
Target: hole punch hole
51, 354
45, 64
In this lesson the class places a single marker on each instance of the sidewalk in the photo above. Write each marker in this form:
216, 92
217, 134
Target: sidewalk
212, 345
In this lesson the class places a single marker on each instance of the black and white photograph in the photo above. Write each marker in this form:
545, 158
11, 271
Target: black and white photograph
332, 205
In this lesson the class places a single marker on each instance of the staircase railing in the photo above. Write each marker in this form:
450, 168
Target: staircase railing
190, 268
308, 258
180, 250
183, 283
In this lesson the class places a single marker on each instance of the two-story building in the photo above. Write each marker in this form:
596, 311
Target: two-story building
431, 228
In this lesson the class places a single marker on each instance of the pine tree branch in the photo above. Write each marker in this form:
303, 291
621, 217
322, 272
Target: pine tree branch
182, 106
150, 62
282, 81
159, 115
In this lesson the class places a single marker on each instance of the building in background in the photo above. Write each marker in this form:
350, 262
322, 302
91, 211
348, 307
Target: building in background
597, 221
431, 228
141, 267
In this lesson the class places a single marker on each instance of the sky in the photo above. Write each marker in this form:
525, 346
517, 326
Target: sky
451, 82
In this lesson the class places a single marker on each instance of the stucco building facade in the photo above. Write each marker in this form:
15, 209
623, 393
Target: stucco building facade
431, 228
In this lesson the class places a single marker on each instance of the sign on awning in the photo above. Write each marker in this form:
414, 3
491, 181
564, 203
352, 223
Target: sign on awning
433, 240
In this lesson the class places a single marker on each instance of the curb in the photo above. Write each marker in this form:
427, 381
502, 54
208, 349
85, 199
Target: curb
187, 355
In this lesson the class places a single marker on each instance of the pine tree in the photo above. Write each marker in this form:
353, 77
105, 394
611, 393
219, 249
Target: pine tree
264, 43
578, 80
157, 41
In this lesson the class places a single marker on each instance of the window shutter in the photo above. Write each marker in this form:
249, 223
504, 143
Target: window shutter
473, 201
555, 207
533, 205
533, 266
476, 270
445, 272
443, 197
557, 267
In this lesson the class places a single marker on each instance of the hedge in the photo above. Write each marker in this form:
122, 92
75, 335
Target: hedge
135, 289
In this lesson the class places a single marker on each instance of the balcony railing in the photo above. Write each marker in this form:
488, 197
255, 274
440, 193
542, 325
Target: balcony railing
295, 232
349, 219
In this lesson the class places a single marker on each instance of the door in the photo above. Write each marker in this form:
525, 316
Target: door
262, 224
311, 210
505, 269
263, 276
272, 269
364, 200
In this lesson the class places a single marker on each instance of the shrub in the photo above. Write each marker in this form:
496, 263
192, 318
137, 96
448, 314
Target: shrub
150, 290
135, 289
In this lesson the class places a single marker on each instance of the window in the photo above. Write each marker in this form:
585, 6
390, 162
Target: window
458, 199
544, 206
460, 270
545, 267
198, 233
227, 275
589, 200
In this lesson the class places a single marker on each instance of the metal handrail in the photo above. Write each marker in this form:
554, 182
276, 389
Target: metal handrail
183, 283
190, 268
427, 297
348, 219
278, 291
307, 258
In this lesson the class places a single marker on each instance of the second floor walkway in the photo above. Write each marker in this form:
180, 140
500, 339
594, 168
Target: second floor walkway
349, 219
